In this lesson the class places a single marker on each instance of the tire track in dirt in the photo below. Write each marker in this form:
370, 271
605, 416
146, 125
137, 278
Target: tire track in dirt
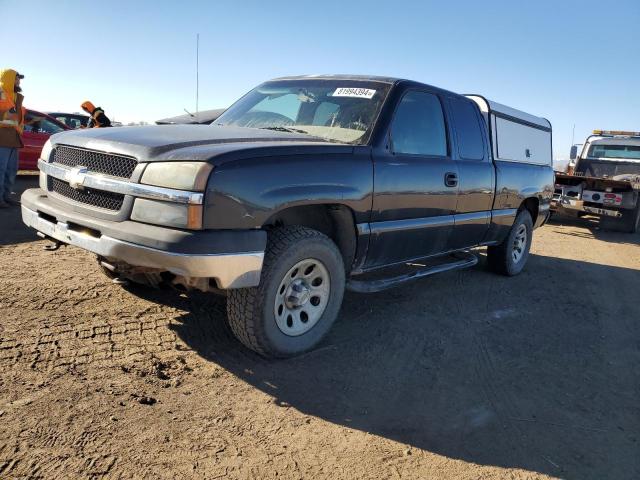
84, 342
500, 399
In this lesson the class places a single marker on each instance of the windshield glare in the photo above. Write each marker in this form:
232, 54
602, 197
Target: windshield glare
340, 111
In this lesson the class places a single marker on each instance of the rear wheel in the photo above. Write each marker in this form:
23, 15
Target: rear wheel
628, 223
510, 257
299, 295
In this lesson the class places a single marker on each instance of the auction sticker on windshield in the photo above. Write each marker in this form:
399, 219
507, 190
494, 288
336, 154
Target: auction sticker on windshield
354, 92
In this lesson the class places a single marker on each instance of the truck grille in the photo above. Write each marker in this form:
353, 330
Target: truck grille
107, 163
88, 196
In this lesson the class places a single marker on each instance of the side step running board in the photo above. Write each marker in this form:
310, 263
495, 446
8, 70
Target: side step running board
460, 260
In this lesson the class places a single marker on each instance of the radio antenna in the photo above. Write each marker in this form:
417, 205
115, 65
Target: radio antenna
197, 70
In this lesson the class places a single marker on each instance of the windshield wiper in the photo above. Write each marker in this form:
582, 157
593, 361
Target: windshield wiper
285, 129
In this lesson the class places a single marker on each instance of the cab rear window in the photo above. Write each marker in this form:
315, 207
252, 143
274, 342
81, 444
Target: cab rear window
468, 133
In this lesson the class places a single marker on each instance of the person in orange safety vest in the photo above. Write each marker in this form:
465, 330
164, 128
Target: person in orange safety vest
11, 125
98, 118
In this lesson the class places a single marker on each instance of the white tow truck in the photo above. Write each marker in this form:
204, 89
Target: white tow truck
604, 180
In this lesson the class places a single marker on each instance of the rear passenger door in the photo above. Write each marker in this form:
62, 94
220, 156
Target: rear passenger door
477, 175
415, 183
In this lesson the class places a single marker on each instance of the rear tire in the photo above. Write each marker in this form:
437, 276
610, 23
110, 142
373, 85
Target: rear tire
629, 223
299, 296
510, 257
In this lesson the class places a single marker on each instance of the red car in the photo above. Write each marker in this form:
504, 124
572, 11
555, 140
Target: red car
38, 127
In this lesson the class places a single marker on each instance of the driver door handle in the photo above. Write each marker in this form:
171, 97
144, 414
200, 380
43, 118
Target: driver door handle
451, 179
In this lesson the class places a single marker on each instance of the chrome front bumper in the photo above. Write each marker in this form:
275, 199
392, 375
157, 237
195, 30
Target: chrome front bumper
233, 270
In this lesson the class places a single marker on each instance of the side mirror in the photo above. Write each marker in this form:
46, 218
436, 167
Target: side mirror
573, 154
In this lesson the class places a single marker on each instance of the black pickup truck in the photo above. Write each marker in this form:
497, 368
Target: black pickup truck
304, 187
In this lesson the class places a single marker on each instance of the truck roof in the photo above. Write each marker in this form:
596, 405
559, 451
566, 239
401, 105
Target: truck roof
367, 78
617, 140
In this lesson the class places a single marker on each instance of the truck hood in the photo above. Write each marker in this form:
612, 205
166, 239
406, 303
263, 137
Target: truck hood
193, 142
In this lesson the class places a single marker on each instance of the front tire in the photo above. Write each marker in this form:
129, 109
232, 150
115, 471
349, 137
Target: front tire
510, 257
299, 296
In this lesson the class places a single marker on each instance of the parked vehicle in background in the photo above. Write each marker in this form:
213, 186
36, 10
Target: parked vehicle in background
71, 120
604, 180
277, 202
205, 117
38, 127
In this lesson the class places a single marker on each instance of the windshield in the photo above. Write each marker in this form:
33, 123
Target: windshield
38, 123
614, 151
335, 110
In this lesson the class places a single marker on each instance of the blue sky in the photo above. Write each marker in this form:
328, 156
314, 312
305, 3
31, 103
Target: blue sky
572, 62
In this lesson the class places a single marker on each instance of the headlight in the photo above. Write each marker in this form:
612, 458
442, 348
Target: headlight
46, 151
179, 175
44, 155
168, 214
42, 181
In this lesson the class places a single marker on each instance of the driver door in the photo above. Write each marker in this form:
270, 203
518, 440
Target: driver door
415, 185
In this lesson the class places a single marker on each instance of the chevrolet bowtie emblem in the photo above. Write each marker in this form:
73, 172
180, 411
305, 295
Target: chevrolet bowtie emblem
76, 177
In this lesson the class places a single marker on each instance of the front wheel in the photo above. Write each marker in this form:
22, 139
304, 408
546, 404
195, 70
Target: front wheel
299, 296
510, 257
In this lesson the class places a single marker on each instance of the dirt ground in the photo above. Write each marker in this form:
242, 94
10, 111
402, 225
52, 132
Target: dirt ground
465, 375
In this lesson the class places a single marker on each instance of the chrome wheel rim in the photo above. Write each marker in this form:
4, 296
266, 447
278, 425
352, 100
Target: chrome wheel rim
302, 297
519, 243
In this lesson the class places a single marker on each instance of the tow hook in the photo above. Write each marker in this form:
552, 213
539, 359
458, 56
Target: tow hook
51, 247
112, 272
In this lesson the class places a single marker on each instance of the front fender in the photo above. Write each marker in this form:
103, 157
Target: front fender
245, 194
